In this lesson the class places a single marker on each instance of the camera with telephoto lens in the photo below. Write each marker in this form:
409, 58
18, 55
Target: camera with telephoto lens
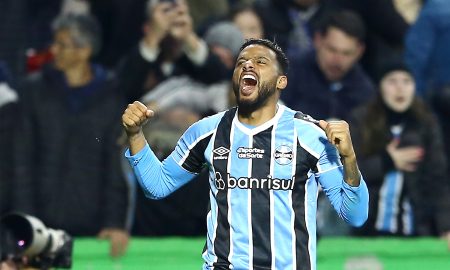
23, 235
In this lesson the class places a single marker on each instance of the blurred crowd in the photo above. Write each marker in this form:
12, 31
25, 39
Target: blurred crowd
68, 68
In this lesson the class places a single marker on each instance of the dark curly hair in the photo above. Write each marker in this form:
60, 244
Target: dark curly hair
283, 62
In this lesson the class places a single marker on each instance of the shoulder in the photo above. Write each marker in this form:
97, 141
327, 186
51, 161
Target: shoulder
310, 136
207, 125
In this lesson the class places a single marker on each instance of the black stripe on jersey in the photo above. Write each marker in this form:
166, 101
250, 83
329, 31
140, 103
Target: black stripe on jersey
195, 160
260, 210
305, 162
222, 240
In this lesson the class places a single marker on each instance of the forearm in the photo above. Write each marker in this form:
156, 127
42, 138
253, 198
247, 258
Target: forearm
158, 179
350, 202
136, 142
352, 175
355, 204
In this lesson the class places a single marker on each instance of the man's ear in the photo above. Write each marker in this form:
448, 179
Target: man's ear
282, 82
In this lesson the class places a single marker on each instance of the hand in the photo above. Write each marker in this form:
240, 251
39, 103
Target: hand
181, 28
161, 19
404, 158
135, 116
118, 238
338, 134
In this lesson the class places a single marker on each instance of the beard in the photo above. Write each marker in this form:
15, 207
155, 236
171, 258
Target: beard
265, 91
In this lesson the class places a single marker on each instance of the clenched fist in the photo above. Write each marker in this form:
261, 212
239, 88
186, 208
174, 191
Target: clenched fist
338, 133
134, 117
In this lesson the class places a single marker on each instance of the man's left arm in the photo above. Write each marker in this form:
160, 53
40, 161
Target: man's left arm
344, 186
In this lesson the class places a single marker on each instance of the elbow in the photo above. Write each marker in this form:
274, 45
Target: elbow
155, 195
154, 188
355, 218
359, 222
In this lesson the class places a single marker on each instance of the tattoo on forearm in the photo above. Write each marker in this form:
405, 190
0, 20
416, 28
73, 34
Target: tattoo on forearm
352, 175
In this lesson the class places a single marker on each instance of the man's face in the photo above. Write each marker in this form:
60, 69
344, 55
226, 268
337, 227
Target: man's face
255, 77
337, 53
65, 52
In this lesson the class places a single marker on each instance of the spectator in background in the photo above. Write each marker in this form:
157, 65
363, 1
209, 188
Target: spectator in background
291, 22
328, 82
67, 170
247, 20
170, 47
224, 40
387, 22
400, 153
122, 22
8, 114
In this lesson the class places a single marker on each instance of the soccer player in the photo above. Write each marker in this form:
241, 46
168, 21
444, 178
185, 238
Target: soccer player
265, 164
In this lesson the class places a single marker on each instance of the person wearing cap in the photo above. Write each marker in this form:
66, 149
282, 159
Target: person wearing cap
400, 149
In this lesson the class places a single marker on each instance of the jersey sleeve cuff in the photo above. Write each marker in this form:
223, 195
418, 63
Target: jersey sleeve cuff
135, 159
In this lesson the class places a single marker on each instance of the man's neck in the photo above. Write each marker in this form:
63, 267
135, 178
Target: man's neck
260, 116
79, 75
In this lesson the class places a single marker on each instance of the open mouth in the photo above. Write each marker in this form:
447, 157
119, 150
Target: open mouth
400, 99
248, 83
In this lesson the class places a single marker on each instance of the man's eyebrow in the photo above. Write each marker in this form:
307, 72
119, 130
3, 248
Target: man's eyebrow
257, 57
263, 57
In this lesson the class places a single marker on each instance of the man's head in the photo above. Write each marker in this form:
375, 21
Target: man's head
339, 43
260, 71
76, 39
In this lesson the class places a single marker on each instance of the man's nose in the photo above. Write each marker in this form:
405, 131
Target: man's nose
248, 65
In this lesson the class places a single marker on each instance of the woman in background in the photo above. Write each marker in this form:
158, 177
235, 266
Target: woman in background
400, 149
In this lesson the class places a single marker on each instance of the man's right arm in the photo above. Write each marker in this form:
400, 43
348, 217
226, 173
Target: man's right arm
158, 179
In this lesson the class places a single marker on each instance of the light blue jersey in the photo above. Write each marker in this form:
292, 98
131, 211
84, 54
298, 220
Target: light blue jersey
264, 183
